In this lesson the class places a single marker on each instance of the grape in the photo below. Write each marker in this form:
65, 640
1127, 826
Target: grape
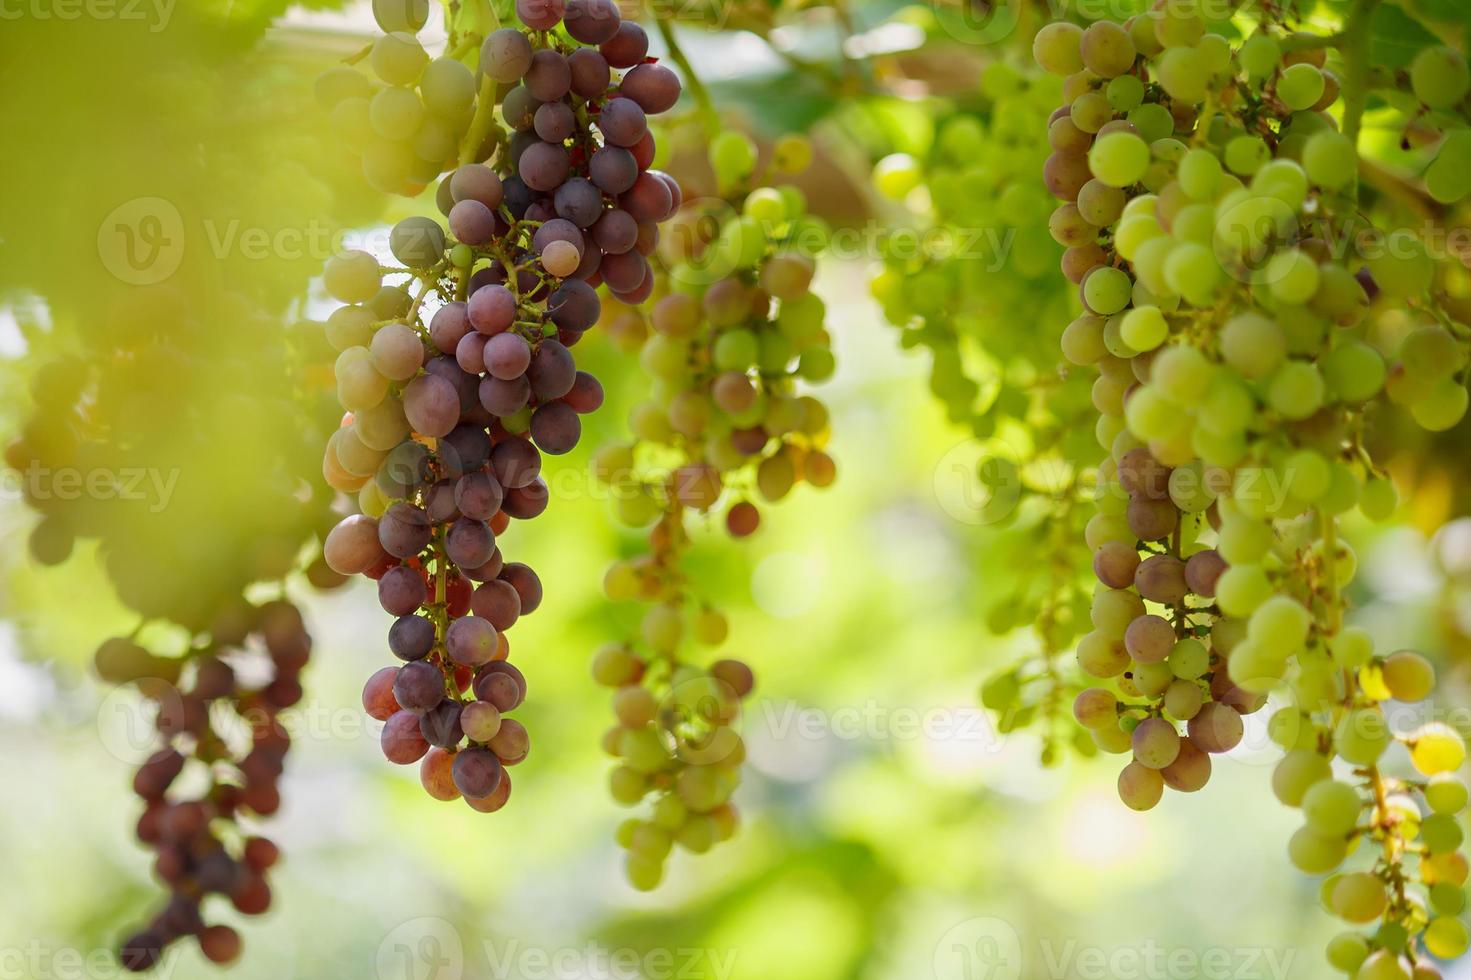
448, 88
1107, 49
1140, 787
1119, 159
1057, 47
1440, 77
398, 58
654, 87
1300, 86
544, 166
541, 15
622, 122
417, 242
401, 15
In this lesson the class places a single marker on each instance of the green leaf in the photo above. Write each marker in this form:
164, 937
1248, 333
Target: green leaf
1397, 37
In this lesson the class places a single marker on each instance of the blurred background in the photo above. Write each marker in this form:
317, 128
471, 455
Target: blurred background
174, 153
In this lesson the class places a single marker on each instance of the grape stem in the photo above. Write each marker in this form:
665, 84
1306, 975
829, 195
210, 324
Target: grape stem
1354, 44
709, 117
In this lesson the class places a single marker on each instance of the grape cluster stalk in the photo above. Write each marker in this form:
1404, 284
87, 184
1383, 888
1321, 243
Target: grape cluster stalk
450, 411
1207, 191
222, 752
734, 332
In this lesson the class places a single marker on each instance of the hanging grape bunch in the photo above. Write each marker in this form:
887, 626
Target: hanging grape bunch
222, 753
1201, 187
734, 334
449, 413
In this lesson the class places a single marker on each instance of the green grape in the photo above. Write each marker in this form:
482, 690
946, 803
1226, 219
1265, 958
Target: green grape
1362, 736
1401, 268
1259, 56
896, 175
399, 58
1300, 86
1298, 772
1200, 174
1441, 833
1442, 406
1440, 77
1332, 808
1446, 937
448, 88
732, 156
1253, 345
1446, 794
1296, 391
1448, 179
1330, 160
1292, 277
1241, 589
1107, 49
1057, 48
1107, 290
1144, 328
1193, 272
1124, 93
1359, 897
1178, 70
1284, 180
1119, 159
396, 113
1245, 155
1313, 853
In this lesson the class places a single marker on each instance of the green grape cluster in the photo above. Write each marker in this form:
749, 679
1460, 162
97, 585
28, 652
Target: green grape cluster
1203, 186
735, 334
974, 258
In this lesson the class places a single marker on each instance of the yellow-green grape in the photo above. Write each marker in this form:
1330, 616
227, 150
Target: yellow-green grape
1331, 808
1359, 897
1408, 676
1446, 794
1313, 853
1297, 772
1300, 86
732, 157
1347, 952
1446, 937
897, 175
792, 154
1448, 178
1436, 748
1440, 77
1362, 736
1119, 159
1057, 47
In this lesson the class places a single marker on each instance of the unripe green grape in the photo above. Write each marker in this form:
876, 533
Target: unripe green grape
1119, 159
1190, 659
627, 786
1057, 48
1296, 391
1144, 328
1255, 667
1446, 937
1308, 475
1440, 77
1082, 341
1446, 794
1408, 676
1245, 155
1300, 86
1314, 854
1107, 49
1179, 73
1281, 624
1124, 93
1183, 373
1133, 232
1430, 353
1441, 833
1401, 268
1447, 899
1259, 56
1292, 277
1113, 610
1330, 160
398, 58
1177, 25
1090, 112
1442, 406
732, 156
1354, 371
1193, 272
1252, 345
1332, 808
1362, 736
1106, 290
1298, 772
1154, 122
1448, 178
1200, 174
1099, 204
1182, 699
1102, 656
1436, 748
896, 175
1241, 589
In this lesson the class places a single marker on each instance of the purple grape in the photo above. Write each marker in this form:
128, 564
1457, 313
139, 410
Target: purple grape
519, 108
556, 428
505, 55
544, 166
477, 772
450, 322
472, 222
590, 73
470, 641
555, 122
418, 687
574, 306
507, 356
622, 122
654, 87
504, 398
549, 78
469, 543
401, 591
404, 531
552, 371
440, 725
515, 463
592, 21
541, 15
432, 405
477, 182
498, 602
465, 449
492, 309
625, 272
402, 742
528, 502
628, 46
613, 169
615, 232
579, 202
478, 496
648, 199
411, 637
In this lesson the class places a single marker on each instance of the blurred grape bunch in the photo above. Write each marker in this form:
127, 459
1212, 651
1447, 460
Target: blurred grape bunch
727, 348
969, 273
176, 404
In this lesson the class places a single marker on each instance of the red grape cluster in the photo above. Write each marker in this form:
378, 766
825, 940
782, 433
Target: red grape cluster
218, 716
449, 414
